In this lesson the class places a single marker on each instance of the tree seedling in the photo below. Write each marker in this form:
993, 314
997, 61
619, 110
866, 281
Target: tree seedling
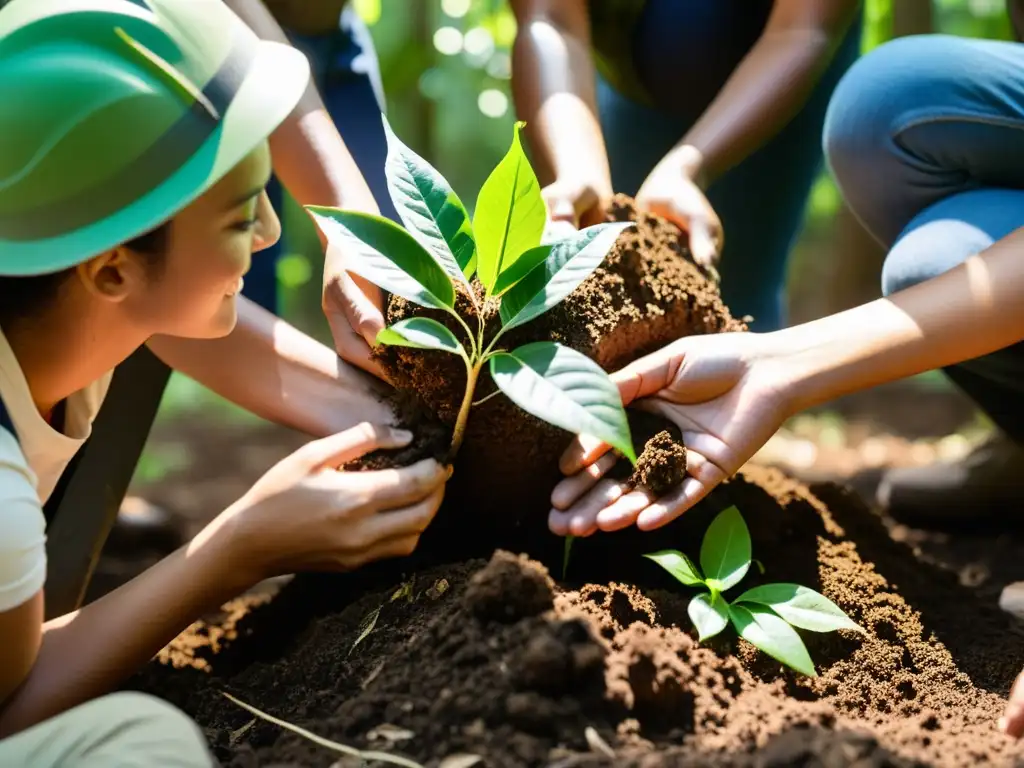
764, 616
438, 253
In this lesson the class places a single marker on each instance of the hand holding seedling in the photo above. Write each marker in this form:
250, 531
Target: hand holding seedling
724, 391
305, 514
354, 310
433, 260
764, 616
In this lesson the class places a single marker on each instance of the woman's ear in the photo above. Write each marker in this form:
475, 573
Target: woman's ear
114, 275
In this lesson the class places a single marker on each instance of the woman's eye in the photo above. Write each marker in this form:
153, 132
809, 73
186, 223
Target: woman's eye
245, 226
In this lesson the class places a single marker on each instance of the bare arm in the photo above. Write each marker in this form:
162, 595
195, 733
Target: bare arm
274, 370
554, 92
310, 157
769, 87
21, 629
86, 653
970, 311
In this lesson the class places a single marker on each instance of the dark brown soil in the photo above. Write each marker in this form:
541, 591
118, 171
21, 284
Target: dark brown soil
661, 466
477, 652
500, 662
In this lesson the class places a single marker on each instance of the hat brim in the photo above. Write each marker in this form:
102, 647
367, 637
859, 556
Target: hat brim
276, 80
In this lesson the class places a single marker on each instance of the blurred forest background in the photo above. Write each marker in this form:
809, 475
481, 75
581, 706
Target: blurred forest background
445, 66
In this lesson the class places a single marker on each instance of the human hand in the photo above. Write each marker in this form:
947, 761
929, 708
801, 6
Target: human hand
575, 202
305, 514
672, 191
726, 393
355, 312
1012, 721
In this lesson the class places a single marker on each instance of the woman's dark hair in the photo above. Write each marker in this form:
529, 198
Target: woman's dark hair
23, 297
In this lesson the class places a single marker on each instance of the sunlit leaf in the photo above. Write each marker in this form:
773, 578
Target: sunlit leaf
725, 551
564, 388
429, 208
510, 214
800, 606
527, 262
679, 565
421, 333
569, 263
759, 626
709, 615
385, 254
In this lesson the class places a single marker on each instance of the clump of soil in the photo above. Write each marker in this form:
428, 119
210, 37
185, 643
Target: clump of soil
661, 466
506, 664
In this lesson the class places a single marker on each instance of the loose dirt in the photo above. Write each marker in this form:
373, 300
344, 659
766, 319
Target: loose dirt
465, 651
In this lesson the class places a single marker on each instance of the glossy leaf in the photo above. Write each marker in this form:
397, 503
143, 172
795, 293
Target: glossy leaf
564, 388
725, 551
421, 333
759, 626
679, 565
386, 255
430, 209
526, 263
569, 263
709, 615
800, 606
509, 216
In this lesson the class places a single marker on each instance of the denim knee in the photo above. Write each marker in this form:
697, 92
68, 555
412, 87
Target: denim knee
879, 95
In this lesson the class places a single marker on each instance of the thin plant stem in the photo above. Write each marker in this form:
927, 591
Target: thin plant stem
472, 374
483, 400
474, 342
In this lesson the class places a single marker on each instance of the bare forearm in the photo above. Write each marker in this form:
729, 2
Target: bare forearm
89, 652
274, 370
767, 90
554, 92
968, 312
310, 157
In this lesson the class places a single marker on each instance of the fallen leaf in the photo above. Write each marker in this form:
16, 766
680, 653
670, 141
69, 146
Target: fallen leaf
390, 733
366, 627
597, 743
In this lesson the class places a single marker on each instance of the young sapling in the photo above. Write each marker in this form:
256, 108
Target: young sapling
764, 616
439, 252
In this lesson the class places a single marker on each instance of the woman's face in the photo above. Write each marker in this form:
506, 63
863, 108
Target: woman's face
209, 247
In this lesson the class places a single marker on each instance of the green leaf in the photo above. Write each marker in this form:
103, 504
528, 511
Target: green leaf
429, 208
421, 333
800, 606
709, 615
510, 214
386, 255
762, 628
679, 565
725, 551
527, 262
564, 388
569, 263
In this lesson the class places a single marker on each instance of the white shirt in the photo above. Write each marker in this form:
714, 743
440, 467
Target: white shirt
30, 466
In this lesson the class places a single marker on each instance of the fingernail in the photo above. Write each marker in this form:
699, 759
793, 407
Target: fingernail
402, 435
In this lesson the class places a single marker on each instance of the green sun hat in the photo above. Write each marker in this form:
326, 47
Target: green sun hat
119, 113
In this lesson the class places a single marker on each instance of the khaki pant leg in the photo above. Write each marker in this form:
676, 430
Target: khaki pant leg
122, 730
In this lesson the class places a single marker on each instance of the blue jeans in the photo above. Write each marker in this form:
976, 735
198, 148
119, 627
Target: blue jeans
925, 138
685, 53
346, 72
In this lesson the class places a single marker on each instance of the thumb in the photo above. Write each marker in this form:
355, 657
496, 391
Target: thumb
702, 243
333, 451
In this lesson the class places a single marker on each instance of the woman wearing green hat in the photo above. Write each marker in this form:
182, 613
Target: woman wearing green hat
131, 201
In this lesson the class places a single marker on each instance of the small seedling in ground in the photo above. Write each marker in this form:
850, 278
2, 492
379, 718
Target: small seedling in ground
438, 253
764, 616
